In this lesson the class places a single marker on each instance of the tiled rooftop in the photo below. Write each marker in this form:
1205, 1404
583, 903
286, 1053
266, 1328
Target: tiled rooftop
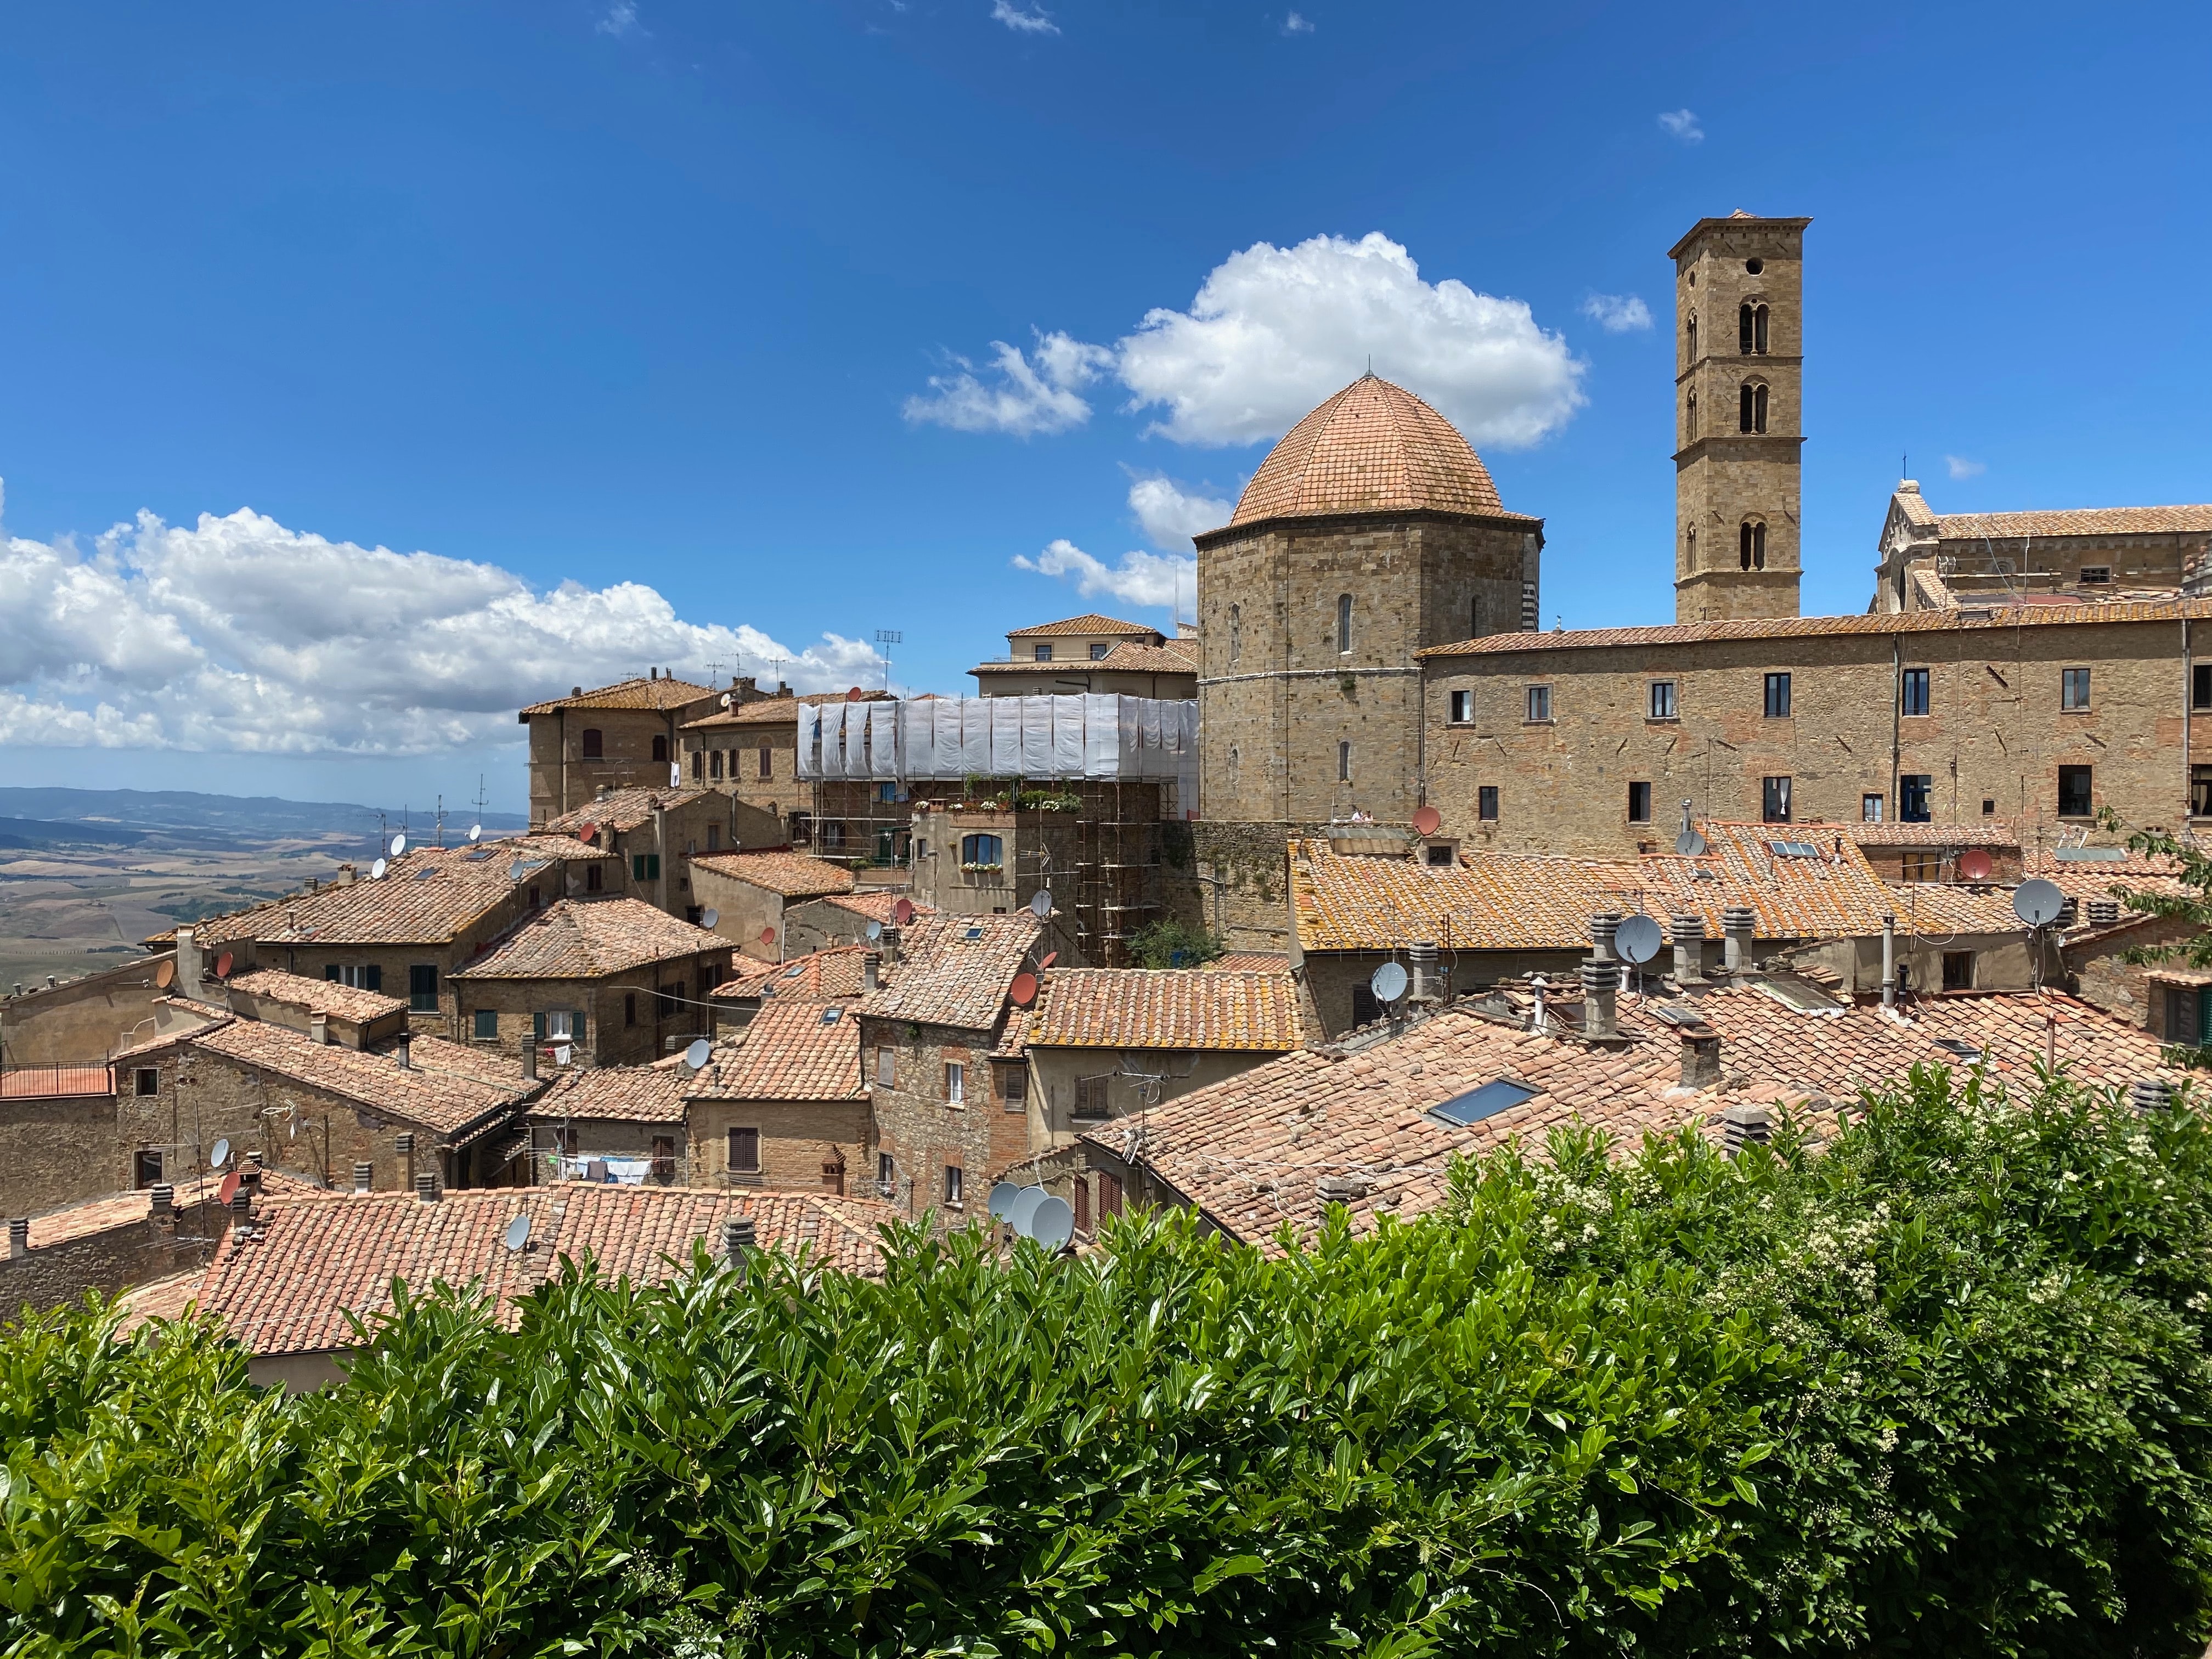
623, 809
647, 693
2076, 521
317, 996
832, 974
450, 896
590, 938
773, 711
445, 1087
791, 875
57, 1082
1170, 1008
1251, 961
956, 970
1088, 622
1978, 832
791, 1051
877, 904
618, 1094
288, 1288
1373, 447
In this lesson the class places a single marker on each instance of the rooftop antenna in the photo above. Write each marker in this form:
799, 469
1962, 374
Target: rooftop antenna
888, 637
714, 671
442, 820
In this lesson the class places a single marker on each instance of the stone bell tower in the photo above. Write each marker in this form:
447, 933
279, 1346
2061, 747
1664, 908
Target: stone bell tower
1739, 416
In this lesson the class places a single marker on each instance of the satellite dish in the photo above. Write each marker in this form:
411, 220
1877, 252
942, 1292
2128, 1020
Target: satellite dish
588, 834
768, 936
853, 696
2037, 903
222, 966
1052, 1224
1023, 990
1050, 957
399, 845
517, 1233
1975, 864
517, 871
875, 930
726, 699
1389, 983
708, 917
228, 1190
1002, 1196
220, 1155
1041, 904
698, 1054
1690, 844
376, 870
1638, 938
165, 976
902, 912
1021, 1207
1425, 820
476, 833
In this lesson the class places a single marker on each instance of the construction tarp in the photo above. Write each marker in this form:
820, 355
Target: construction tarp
942, 739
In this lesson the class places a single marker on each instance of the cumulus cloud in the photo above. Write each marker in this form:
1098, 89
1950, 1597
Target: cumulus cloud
1022, 20
1169, 514
1294, 24
1617, 313
1681, 124
237, 634
1026, 394
1139, 578
1960, 467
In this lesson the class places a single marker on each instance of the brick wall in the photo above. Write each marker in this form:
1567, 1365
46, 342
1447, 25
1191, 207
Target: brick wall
922, 1132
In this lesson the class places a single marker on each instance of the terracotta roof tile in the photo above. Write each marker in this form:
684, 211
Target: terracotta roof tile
317, 996
1978, 832
877, 903
832, 975
1251, 961
1088, 622
956, 970
775, 711
2076, 521
590, 938
623, 809
57, 1082
446, 901
648, 693
446, 1086
791, 875
288, 1287
619, 1094
1175, 657
1171, 1008
791, 1051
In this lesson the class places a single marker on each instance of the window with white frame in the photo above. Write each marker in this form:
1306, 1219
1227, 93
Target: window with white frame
956, 1083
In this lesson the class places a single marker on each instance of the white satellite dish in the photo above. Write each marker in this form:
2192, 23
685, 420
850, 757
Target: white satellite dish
1389, 983
1041, 904
708, 917
376, 870
220, 1155
1690, 844
517, 871
875, 930
2037, 903
1002, 1196
1021, 1206
698, 1054
517, 1233
1052, 1224
399, 845
1638, 938
476, 833
726, 699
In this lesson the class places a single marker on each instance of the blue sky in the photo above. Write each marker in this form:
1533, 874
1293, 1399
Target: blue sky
649, 299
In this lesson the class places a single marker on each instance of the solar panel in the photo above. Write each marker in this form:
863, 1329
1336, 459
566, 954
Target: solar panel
1793, 849
1487, 1100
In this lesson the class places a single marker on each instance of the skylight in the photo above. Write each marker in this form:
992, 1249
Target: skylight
480, 855
973, 932
830, 1016
424, 875
1487, 1100
795, 972
1963, 1049
1793, 849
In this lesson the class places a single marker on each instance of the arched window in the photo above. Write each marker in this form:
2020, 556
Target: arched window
1475, 617
1235, 632
1759, 330
1692, 336
1750, 407
983, 852
660, 749
1344, 621
1693, 414
594, 744
1692, 552
1751, 545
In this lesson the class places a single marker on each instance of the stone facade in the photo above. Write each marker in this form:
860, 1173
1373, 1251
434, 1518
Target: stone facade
60, 1150
1931, 561
620, 737
1738, 291
923, 1133
805, 1146
107, 1253
86, 1019
631, 1017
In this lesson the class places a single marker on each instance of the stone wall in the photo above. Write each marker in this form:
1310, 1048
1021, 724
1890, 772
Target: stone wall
83, 1019
110, 1260
60, 1151
923, 1133
562, 779
620, 1015
797, 1139
1055, 1074
1243, 871
2097, 974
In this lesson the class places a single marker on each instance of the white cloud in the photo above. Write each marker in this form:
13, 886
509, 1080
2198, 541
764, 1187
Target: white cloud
1960, 467
1021, 22
1273, 330
237, 634
1295, 24
1617, 313
1169, 514
1682, 124
1139, 578
1030, 394
621, 19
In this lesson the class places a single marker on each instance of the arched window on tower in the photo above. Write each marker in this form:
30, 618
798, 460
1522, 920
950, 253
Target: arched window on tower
1344, 623
1691, 334
1759, 330
1235, 632
1693, 414
1751, 545
1691, 551
1750, 407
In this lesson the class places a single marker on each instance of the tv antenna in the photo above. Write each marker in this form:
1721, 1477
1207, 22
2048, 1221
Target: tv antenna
887, 637
442, 822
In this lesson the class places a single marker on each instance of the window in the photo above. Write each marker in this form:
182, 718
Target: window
1110, 1194
145, 1169
1639, 803
1751, 545
660, 749
766, 762
664, 1158
1344, 763
1015, 1082
1365, 1010
1918, 865
629, 1007
1439, 854
423, 987
886, 846
1989, 806
486, 1028
1090, 1097
714, 832
1774, 799
668, 1000
2074, 688
1043, 654
2094, 575
2074, 792
2200, 802
886, 1066
1691, 424
1690, 550
1486, 803
1098, 650
952, 1183
361, 976
714, 764
1957, 970
886, 1174
956, 1083
594, 879
744, 1151
594, 744
1662, 700
645, 866
699, 765
1870, 809
534, 900
983, 852
1343, 623
1690, 337
2200, 685
1486, 1101
147, 1081
1750, 407
1914, 793
1912, 692
1540, 703
1081, 1204
1462, 708
1235, 632
1475, 617
1751, 329
887, 792
1777, 696
561, 1026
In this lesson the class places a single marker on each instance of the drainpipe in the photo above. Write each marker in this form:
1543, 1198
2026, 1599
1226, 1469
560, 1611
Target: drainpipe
1888, 960
1896, 721
660, 855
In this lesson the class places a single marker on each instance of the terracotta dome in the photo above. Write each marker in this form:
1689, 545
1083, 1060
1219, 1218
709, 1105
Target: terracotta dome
1374, 447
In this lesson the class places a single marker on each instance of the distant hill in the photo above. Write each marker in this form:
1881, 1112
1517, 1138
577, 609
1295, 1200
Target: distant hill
42, 818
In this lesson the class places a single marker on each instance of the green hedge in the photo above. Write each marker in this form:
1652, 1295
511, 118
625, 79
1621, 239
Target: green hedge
1942, 1389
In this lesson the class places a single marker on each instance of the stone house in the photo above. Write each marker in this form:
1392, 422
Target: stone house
609, 981
753, 894
108, 1245
653, 835
839, 973
619, 736
1093, 653
1941, 560
784, 1105
82, 1020
943, 1059
624, 1123
835, 918
1097, 851
58, 1136
752, 751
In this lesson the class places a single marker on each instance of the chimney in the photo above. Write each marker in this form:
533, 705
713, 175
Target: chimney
872, 971
319, 1029
1689, 936
249, 1174
403, 1144
530, 1060
1421, 958
737, 1239
1601, 987
1603, 927
364, 1178
241, 1210
164, 1198
1888, 960
347, 874
1737, 923
1701, 1057
18, 1238
405, 1053
426, 1187
1742, 1126
1536, 1016
2149, 1094
2103, 912
188, 963
888, 944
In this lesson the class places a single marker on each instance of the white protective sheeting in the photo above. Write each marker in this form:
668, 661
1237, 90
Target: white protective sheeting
883, 757
1101, 737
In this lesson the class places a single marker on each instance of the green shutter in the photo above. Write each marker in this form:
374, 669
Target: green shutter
538, 1027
